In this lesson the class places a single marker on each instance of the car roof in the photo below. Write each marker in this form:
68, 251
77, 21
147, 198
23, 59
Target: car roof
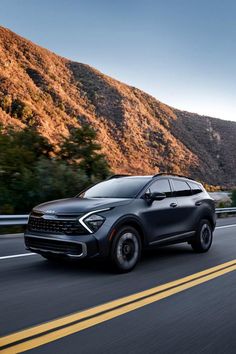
157, 176
153, 176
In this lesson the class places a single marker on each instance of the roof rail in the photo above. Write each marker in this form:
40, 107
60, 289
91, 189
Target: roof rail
118, 176
171, 174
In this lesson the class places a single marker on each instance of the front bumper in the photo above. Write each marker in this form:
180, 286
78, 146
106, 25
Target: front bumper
68, 246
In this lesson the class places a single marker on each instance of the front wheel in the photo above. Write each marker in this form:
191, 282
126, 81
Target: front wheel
203, 238
126, 249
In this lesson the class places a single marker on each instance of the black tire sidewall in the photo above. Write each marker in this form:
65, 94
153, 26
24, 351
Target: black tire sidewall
197, 243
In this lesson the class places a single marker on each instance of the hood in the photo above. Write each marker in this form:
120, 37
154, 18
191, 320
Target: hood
79, 205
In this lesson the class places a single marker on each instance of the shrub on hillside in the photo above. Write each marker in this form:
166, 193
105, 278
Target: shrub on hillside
20, 110
5, 103
16, 108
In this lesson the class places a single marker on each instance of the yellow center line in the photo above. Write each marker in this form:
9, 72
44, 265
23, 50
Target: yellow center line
125, 304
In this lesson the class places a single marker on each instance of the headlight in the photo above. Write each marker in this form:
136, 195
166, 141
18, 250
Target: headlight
94, 222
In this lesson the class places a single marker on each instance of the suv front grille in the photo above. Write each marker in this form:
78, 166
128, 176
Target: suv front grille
56, 226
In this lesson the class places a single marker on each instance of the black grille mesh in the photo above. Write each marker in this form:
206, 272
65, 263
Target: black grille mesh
56, 226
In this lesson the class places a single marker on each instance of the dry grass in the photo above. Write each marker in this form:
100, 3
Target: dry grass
138, 133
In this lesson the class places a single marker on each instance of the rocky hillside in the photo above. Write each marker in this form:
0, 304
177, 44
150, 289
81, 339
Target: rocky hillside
138, 133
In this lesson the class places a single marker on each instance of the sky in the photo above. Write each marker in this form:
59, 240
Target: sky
183, 52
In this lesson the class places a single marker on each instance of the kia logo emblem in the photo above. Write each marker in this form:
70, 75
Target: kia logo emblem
50, 212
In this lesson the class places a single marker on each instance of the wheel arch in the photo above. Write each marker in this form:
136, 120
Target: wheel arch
129, 220
208, 215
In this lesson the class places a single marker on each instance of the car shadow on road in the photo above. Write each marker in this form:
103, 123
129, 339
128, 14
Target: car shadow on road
153, 258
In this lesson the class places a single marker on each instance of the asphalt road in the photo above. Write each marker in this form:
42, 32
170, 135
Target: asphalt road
198, 319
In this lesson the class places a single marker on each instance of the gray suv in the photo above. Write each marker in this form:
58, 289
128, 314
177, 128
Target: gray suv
119, 217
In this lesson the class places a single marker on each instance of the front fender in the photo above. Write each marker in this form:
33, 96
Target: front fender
132, 220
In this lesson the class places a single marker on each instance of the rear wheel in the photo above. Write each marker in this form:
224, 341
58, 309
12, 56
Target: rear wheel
203, 238
126, 249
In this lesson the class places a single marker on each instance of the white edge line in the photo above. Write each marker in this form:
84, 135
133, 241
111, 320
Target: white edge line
18, 255
225, 226
33, 254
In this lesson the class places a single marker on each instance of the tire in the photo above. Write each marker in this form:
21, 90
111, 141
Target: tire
203, 238
126, 249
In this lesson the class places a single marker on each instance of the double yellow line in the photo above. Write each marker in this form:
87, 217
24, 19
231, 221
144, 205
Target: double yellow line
48, 332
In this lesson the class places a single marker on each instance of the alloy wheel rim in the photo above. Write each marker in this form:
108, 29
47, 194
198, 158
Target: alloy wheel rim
127, 249
206, 235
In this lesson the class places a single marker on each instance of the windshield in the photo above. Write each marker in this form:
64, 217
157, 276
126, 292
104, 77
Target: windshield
125, 187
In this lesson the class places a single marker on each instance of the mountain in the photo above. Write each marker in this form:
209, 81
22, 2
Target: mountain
138, 133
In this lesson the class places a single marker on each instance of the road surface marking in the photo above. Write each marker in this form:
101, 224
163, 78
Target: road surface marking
18, 255
225, 226
48, 332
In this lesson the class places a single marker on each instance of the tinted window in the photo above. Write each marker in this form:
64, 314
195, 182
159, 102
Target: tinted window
195, 187
126, 187
162, 186
181, 188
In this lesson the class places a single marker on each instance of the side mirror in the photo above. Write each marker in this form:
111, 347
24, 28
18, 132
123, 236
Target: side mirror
154, 196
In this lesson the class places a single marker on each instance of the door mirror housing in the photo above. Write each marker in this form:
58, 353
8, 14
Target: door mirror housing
154, 196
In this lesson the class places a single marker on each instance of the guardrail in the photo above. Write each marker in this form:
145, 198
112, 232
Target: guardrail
16, 220
225, 210
13, 220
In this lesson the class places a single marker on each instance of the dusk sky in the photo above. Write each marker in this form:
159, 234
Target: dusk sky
183, 52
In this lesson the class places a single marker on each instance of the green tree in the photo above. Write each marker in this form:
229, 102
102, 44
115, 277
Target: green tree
81, 148
32, 173
19, 153
21, 149
233, 197
56, 179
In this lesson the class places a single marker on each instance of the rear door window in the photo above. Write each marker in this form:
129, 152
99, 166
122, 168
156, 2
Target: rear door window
181, 188
196, 188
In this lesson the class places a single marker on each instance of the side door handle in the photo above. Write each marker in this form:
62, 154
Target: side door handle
173, 205
198, 203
